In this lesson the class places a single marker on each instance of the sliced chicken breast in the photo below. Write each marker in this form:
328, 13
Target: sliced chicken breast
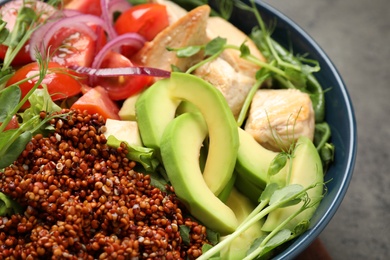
187, 31
231, 74
277, 118
233, 85
217, 26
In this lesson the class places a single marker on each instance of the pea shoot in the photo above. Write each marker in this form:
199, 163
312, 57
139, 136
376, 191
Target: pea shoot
13, 141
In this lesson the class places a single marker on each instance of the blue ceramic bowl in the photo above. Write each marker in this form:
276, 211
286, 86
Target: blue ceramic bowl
339, 115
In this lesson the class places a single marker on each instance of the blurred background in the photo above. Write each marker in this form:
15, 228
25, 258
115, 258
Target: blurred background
356, 36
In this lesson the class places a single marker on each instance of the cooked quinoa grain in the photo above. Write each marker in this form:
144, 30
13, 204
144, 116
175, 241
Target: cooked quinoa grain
83, 200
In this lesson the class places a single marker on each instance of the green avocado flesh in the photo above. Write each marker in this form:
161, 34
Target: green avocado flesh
180, 147
253, 160
127, 111
157, 106
306, 170
242, 207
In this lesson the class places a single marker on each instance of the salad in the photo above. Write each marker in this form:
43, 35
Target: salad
154, 130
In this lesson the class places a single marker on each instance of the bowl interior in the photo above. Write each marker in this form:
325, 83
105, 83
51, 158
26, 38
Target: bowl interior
339, 115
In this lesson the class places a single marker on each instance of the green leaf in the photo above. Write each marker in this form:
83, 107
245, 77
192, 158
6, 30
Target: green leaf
327, 155
9, 154
277, 164
297, 78
187, 51
26, 16
212, 236
286, 193
157, 180
256, 243
301, 227
207, 247
9, 100
40, 100
5, 75
4, 32
144, 156
185, 234
245, 51
214, 46
8, 206
268, 191
278, 239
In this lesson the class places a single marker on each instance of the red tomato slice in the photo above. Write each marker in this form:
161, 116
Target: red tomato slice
71, 47
9, 12
121, 87
96, 100
85, 6
61, 82
145, 19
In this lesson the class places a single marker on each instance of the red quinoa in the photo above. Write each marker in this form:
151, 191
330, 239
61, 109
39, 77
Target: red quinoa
83, 200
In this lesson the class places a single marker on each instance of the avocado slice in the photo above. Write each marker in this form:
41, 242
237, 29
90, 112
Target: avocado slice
127, 111
306, 170
253, 160
248, 189
242, 207
180, 147
157, 106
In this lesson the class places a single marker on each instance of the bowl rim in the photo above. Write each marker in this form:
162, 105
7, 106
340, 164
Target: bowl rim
301, 243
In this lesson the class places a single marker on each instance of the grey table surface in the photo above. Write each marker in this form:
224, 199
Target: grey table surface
355, 34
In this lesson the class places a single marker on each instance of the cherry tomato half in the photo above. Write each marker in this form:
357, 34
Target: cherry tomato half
71, 47
85, 6
146, 19
61, 82
96, 100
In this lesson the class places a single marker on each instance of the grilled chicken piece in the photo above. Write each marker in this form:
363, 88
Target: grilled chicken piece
233, 85
217, 26
187, 31
278, 117
232, 75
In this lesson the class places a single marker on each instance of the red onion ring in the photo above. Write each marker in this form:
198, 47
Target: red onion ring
123, 71
118, 6
132, 39
106, 17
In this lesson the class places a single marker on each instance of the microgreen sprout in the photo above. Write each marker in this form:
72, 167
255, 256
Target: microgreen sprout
271, 199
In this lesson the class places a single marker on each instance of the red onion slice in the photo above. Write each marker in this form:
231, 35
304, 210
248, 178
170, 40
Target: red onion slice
118, 6
109, 20
124, 71
130, 39
76, 21
36, 45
